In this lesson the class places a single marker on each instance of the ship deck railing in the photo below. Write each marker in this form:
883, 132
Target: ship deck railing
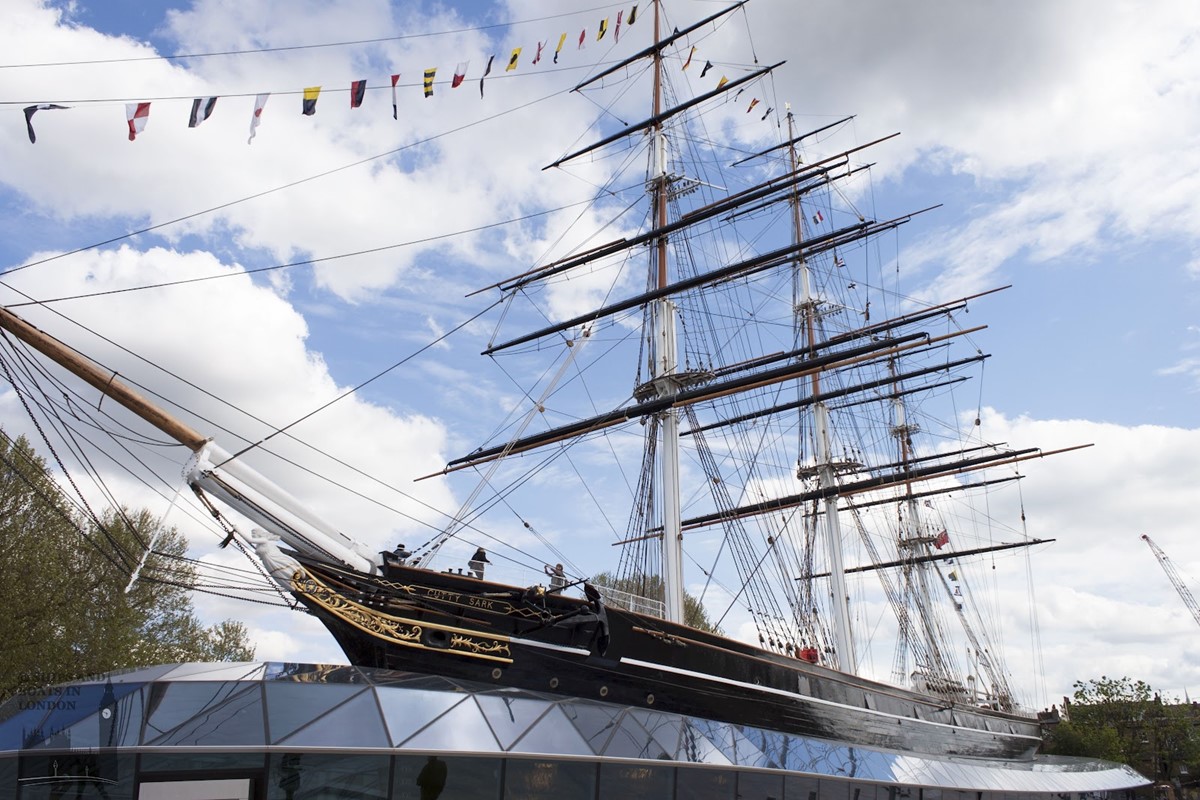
517, 575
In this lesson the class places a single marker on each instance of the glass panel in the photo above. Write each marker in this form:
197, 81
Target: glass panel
748, 754
418, 778
595, 723
356, 723
696, 747
461, 728
312, 673
47, 718
772, 745
169, 761
705, 784
317, 776
631, 740
833, 790
537, 779
415, 680
761, 786
82, 775
169, 705
136, 674
223, 714
293, 705
637, 782
665, 728
406, 711
868, 764
718, 733
803, 787
510, 717
553, 734
221, 671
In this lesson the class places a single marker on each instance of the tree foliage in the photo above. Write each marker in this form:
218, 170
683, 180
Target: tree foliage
66, 613
1125, 720
651, 586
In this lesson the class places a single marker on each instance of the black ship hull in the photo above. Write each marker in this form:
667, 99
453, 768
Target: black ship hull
458, 626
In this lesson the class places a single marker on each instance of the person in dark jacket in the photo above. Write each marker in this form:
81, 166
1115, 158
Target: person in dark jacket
475, 565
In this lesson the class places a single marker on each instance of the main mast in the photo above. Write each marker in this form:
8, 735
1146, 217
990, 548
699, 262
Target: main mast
665, 360
806, 314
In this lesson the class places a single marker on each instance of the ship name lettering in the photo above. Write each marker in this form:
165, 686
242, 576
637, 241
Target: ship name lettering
479, 602
441, 594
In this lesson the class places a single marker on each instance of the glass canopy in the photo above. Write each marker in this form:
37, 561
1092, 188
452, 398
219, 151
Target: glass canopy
308, 708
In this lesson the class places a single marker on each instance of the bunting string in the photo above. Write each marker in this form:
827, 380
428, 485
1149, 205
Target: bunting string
137, 113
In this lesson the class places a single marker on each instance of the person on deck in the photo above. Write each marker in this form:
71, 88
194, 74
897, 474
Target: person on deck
557, 579
395, 558
475, 565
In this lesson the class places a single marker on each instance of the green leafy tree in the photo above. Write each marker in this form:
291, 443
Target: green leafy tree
1125, 720
66, 612
651, 586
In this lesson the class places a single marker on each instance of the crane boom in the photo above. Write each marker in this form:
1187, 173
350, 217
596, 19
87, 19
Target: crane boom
1173, 574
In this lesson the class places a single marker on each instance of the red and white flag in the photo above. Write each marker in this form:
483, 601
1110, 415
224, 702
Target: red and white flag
395, 110
259, 102
460, 72
941, 540
136, 114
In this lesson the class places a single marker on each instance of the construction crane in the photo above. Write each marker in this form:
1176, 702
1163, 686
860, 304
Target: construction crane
1173, 574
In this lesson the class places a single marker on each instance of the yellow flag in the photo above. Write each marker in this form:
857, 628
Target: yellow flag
512, 60
429, 73
603, 29
310, 100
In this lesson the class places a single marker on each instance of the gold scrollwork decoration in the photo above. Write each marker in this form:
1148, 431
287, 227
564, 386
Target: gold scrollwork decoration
397, 630
493, 647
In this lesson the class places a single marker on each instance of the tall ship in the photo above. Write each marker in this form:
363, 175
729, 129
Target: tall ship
795, 463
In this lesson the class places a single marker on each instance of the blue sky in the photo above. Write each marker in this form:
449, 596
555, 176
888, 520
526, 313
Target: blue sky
1061, 141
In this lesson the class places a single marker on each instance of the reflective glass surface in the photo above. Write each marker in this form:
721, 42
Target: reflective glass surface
82, 775
201, 713
207, 762
761, 786
320, 776
548, 780
293, 705
803, 787
637, 782
459, 778
356, 711
353, 724
705, 784
221, 671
